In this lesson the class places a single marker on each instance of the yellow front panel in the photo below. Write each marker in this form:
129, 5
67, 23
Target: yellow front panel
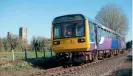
71, 44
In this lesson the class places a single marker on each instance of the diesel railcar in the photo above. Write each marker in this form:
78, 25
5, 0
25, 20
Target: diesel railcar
76, 37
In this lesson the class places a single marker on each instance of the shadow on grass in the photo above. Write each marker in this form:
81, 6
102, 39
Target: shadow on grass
43, 63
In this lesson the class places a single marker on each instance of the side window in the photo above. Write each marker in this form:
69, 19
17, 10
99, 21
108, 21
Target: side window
91, 27
99, 33
91, 31
103, 32
115, 36
108, 33
111, 35
57, 31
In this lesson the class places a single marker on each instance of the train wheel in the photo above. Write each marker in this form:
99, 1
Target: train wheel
115, 53
91, 58
122, 52
64, 66
109, 54
100, 56
105, 55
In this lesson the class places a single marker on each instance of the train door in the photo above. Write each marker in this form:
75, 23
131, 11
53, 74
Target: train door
117, 42
93, 35
96, 36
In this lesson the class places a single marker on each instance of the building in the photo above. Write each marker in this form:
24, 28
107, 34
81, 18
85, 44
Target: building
9, 34
23, 33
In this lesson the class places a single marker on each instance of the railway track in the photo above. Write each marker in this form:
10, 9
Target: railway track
60, 71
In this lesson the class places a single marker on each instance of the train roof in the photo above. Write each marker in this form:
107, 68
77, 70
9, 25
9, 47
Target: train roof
90, 20
103, 27
64, 18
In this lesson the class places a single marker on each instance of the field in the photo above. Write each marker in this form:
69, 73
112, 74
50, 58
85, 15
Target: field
6, 57
22, 65
33, 65
21, 55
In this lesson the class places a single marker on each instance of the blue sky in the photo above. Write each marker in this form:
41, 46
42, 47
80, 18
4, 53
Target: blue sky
37, 15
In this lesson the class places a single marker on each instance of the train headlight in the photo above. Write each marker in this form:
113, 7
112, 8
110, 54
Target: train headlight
80, 40
56, 42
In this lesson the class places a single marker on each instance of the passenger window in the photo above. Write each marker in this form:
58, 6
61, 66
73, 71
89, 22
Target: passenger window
91, 31
99, 32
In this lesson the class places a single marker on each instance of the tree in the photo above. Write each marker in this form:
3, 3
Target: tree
35, 45
5, 44
22, 44
114, 18
129, 45
40, 44
44, 44
13, 42
1, 44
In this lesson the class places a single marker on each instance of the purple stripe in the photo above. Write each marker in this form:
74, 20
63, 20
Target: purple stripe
105, 45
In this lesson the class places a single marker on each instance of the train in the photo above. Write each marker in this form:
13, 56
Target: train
77, 38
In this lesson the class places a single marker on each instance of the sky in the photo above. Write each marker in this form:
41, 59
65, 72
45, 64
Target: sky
37, 15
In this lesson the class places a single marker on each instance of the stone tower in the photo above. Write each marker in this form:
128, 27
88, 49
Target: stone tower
9, 35
23, 33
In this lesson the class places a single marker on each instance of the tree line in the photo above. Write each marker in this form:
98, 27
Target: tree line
17, 44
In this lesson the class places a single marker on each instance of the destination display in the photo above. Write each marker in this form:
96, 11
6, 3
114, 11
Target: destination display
68, 18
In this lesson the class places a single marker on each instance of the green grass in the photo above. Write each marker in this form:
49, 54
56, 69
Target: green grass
18, 66
21, 55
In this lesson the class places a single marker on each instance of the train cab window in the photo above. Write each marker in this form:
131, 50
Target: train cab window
68, 30
80, 29
56, 31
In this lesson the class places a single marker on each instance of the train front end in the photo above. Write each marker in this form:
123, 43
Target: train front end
69, 34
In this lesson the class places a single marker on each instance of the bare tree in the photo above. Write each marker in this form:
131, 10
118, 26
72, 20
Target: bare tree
13, 41
5, 44
35, 45
40, 44
22, 44
114, 18
44, 44
1, 44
